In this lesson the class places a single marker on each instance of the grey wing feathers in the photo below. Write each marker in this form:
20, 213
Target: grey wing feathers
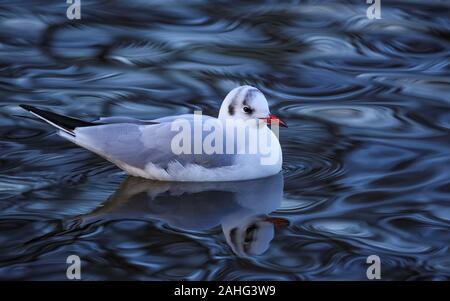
138, 145
125, 140
120, 119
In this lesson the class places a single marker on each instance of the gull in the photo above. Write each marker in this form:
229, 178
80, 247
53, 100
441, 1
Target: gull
145, 148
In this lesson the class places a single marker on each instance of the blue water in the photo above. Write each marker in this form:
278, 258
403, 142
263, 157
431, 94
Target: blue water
366, 154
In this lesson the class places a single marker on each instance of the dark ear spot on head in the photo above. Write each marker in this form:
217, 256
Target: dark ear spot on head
231, 109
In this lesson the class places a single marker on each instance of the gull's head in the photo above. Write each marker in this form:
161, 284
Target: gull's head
247, 103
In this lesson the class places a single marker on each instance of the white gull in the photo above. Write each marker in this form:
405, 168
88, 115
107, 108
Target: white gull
144, 148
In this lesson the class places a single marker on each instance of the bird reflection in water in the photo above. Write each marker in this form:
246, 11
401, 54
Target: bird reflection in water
240, 208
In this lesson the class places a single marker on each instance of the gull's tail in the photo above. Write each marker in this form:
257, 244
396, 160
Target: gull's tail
64, 123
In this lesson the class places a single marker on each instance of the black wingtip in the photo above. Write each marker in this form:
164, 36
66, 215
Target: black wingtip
26, 107
63, 122
32, 109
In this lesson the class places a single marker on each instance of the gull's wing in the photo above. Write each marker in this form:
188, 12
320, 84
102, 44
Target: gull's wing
137, 145
131, 142
123, 119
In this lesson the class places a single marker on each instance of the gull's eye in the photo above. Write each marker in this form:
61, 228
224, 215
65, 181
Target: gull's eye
247, 109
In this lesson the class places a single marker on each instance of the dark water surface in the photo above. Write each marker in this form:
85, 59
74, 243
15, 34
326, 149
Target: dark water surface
366, 154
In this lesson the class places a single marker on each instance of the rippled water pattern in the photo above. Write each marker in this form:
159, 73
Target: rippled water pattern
366, 154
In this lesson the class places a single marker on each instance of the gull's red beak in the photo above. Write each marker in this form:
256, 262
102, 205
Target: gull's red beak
272, 119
